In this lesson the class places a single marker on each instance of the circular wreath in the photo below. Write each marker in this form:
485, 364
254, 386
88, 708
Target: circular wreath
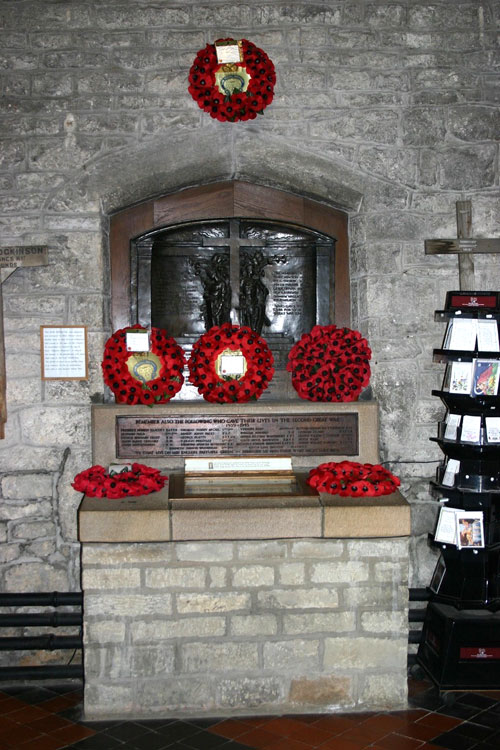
207, 371
232, 91
330, 364
155, 379
351, 479
139, 480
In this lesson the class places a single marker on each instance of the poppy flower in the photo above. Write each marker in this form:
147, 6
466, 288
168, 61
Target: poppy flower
141, 480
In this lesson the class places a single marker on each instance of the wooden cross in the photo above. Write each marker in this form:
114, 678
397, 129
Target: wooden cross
12, 258
234, 242
464, 246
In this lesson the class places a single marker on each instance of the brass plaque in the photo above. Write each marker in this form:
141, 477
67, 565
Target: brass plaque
236, 435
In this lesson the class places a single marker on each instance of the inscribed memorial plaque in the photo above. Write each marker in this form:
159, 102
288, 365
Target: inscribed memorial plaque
233, 435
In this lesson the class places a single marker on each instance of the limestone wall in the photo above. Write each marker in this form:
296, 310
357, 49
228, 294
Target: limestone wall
388, 110
242, 627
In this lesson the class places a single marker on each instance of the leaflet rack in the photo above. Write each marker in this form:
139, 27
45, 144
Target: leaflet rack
460, 645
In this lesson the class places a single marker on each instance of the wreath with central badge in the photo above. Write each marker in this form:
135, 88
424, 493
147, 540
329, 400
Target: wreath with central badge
236, 90
230, 363
148, 377
352, 479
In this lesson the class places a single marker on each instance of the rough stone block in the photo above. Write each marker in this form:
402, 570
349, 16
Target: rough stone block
385, 622
109, 631
217, 577
204, 603
319, 622
291, 574
169, 577
219, 657
110, 578
296, 655
249, 625
310, 598
383, 691
27, 487
332, 691
124, 554
340, 572
204, 551
306, 548
365, 653
261, 550
128, 605
250, 693
187, 627
252, 576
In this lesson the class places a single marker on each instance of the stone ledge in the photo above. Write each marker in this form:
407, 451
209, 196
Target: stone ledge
155, 518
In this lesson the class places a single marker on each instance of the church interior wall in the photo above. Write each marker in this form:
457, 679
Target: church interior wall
386, 110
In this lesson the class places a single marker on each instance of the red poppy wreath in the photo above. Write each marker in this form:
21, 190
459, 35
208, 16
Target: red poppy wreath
139, 480
330, 364
143, 377
230, 364
351, 479
232, 91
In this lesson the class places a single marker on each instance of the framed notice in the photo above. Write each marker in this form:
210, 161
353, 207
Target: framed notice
64, 352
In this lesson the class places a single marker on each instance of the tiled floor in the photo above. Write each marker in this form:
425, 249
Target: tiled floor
50, 717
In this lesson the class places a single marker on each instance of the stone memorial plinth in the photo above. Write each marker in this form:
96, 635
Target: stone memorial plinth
206, 602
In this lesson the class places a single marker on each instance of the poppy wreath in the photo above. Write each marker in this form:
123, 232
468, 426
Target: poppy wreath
131, 390
220, 389
229, 104
330, 364
351, 479
139, 480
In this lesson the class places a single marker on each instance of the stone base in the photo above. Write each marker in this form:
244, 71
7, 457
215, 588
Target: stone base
245, 627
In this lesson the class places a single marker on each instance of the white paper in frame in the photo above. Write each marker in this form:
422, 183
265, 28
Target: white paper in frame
463, 334
492, 429
64, 352
461, 377
487, 335
446, 529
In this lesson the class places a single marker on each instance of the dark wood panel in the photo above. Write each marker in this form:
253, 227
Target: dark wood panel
224, 200
205, 202
260, 202
122, 228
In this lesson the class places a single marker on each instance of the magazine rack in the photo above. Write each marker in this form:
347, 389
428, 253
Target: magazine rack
460, 644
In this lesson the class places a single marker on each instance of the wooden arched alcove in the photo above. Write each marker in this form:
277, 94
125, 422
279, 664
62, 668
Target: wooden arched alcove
223, 200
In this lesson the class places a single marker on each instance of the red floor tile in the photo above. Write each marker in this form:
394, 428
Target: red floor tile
285, 743
49, 723
27, 714
257, 737
335, 724
44, 742
398, 742
19, 735
10, 704
419, 731
310, 734
441, 722
341, 743
231, 728
283, 726
73, 733
60, 703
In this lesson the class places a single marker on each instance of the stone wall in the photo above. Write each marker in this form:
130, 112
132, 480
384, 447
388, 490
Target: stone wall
388, 110
237, 627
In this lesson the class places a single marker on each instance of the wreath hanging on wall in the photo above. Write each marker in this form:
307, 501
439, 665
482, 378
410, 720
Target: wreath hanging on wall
138, 480
330, 364
351, 479
148, 377
239, 89
230, 363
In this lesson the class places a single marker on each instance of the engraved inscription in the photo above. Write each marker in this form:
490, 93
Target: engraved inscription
295, 435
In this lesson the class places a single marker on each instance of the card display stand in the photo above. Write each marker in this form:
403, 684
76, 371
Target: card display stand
460, 644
